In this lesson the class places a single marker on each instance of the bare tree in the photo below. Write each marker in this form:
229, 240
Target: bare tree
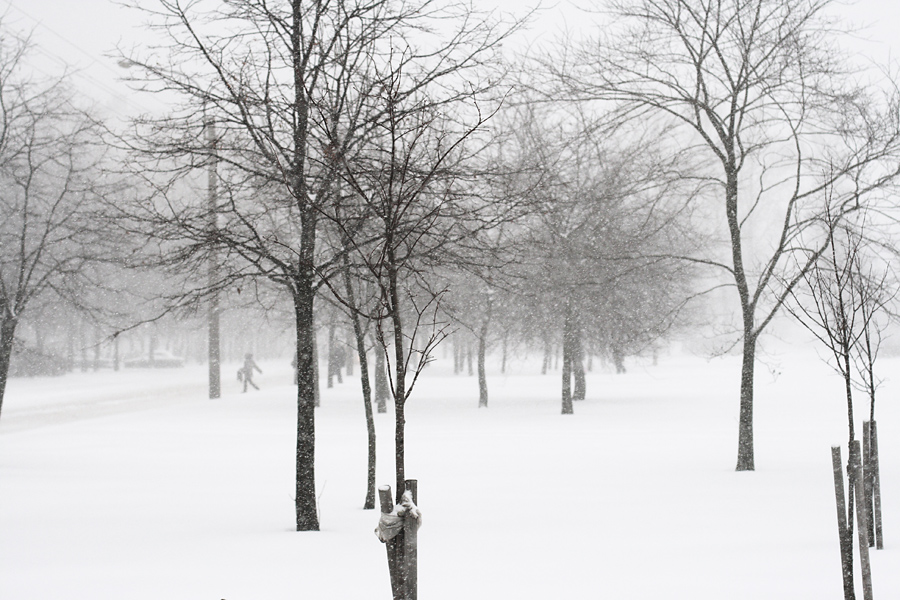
828, 310
826, 303
593, 268
477, 291
876, 294
294, 91
759, 88
359, 336
409, 180
473, 309
356, 297
840, 301
273, 80
49, 151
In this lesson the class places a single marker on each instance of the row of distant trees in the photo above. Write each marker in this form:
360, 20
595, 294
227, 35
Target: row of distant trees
50, 151
390, 159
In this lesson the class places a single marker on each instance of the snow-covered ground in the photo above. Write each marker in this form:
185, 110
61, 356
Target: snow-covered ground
134, 485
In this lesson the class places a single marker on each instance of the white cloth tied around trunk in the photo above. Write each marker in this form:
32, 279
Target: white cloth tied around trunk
391, 524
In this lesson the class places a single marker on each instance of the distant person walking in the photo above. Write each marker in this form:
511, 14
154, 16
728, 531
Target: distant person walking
245, 373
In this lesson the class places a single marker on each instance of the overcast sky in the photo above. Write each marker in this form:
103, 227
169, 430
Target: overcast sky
84, 33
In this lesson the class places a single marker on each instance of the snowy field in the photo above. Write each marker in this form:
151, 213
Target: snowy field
133, 485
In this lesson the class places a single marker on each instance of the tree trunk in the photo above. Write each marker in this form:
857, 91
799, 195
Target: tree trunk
304, 288
213, 324
482, 349
745, 419
580, 390
870, 378
348, 361
331, 362
381, 384
70, 348
567, 361
317, 375
7, 335
618, 359
546, 364
399, 371
305, 502
845, 538
848, 391
366, 390
745, 460
868, 472
95, 364
82, 352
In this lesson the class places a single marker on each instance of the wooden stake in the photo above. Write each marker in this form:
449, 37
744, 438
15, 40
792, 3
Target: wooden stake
411, 546
413, 486
843, 532
861, 521
867, 480
876, 489
387, 501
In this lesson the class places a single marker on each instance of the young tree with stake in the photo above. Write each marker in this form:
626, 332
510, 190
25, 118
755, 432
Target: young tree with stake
291, 88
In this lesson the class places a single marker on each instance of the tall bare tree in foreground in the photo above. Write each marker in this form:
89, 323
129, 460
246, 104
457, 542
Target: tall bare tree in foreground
293, 92
49, 149
274, 78
758, 87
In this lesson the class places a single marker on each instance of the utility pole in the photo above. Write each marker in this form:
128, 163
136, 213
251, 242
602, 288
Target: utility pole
214, 356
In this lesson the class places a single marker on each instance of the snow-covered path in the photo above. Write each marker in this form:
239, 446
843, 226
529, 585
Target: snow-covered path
135, 485
52, 400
